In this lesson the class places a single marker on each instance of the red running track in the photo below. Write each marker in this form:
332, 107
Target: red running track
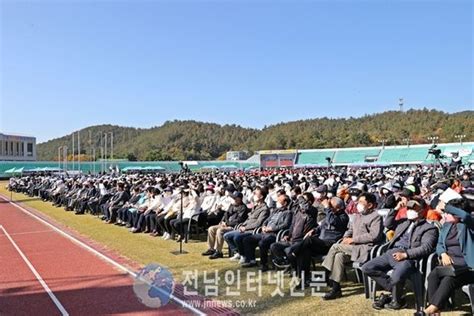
82, 282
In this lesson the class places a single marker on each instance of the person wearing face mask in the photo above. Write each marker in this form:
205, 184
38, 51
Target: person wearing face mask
455, 249
403, 196
320, 195
351, 207
279, 219
247, 193
221, 205
116, 202
139, 217
304, 220
365, 231
180, 225
414, 239
123, 212
208, 202
165, 199
319, 240
181, 201
167, 202
236, 214
255, 219
387, 198
295, 194
271, 197
88, 194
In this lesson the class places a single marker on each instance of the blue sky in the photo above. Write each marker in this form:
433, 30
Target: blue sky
65, 65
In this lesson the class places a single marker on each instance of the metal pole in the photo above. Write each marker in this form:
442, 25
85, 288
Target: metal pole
112, 145
93, 161
90, 144
182, 226
65, 157
79, 150
62, 157
433, 139
100, 149
105, 152
102, 159
73, 151
59, 156
460, 137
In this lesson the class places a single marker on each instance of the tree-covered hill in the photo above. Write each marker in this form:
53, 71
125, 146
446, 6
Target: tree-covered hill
191, 140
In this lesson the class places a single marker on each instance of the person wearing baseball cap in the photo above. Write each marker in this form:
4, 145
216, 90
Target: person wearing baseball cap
236, 214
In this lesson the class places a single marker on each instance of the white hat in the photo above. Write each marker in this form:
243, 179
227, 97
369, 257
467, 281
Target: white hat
388, 186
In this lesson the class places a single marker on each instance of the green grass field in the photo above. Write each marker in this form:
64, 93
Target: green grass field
144, 249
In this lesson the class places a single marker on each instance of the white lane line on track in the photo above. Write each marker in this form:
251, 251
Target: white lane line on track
37, 275
99, 254
32, 232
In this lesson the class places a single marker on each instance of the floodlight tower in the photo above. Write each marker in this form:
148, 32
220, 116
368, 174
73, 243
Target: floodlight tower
383, 141
460, 137
433, 139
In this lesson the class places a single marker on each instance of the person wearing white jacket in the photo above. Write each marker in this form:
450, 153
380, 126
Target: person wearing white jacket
247, 194
173, 210
223, 201
209, 200
180, 225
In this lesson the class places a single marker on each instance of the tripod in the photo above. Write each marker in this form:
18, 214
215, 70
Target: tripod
180, 251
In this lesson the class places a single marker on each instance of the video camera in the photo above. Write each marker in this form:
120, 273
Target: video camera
435, 151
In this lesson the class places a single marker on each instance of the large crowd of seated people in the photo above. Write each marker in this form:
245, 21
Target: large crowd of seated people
337, 216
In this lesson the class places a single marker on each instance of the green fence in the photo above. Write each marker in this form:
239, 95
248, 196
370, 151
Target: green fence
98, 166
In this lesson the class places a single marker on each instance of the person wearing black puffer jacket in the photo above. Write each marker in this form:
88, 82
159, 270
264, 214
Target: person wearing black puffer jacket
236, 214
279, 219
319, 240
304, 219
255, 219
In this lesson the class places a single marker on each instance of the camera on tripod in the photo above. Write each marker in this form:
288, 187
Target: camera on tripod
436, 152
